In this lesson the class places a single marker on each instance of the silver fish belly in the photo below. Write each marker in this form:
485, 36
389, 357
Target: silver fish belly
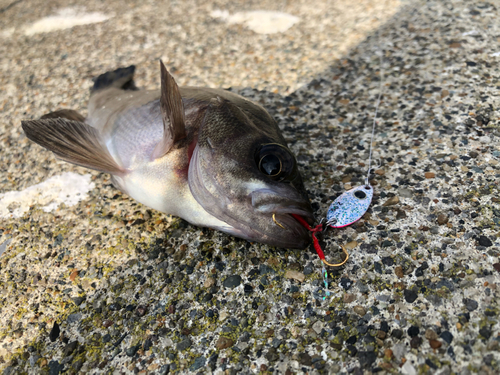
209, 156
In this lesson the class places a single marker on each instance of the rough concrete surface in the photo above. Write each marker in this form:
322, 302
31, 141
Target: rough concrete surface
102, 284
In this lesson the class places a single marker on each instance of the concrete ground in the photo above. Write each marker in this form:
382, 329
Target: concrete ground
93, 282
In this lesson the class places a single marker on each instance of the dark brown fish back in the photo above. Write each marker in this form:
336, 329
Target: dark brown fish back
259, 116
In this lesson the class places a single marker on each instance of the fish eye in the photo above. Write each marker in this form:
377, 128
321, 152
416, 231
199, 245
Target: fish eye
276, 162
270, 164
360, 194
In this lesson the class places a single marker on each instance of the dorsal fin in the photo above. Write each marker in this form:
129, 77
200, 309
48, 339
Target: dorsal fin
172, 112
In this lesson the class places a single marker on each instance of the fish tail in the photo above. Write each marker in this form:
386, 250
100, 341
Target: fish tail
121, 78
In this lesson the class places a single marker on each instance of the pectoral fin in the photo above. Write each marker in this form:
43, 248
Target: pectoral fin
69, 114
172, 111
72, 141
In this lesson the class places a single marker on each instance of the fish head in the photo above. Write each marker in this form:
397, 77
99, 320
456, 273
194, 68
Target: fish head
243, 173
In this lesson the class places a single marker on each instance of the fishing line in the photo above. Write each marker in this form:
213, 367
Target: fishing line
348, 207
374, 123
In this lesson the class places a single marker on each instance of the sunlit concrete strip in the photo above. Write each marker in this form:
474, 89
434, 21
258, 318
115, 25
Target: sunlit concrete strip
259, 21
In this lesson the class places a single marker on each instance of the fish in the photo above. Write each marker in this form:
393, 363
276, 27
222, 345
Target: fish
209, 156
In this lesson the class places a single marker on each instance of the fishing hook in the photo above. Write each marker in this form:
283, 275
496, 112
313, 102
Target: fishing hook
338, 264
275, 222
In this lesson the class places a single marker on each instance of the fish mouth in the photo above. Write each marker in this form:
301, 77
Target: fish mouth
284, 230
277, 227
272, 202
280, 229
272, 220
286, 217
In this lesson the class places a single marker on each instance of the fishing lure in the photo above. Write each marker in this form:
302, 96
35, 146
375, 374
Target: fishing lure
346, 209
353, 204
350, 206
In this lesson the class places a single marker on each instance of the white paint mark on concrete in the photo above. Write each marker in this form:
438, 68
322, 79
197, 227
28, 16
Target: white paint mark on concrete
259, 21
7, 33
65, 19
68, 188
